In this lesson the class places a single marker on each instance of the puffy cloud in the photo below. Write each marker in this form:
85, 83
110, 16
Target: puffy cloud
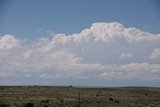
105, 51
8, 42
155, 54
144, 71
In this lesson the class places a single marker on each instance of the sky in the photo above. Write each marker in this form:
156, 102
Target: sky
80, 42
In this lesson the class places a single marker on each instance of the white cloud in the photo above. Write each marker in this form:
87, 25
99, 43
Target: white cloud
103, 51
126, 56
8, 42
155, 54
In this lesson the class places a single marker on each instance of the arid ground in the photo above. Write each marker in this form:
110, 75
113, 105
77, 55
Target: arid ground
49, 96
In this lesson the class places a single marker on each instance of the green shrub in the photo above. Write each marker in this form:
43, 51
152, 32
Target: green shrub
29, 105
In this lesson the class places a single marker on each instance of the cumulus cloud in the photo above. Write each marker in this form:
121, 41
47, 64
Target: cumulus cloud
105, 51
144, 71
8, 42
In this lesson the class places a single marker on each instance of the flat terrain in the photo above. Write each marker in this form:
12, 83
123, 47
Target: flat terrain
47, 96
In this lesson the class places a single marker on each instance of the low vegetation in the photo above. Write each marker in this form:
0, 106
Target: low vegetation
46, 96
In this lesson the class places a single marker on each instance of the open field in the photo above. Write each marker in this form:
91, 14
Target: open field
47, 96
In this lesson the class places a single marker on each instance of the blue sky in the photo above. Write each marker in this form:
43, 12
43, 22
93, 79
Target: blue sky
24, 18
80, 42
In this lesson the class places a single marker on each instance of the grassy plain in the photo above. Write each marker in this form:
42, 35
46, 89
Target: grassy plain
51, 96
